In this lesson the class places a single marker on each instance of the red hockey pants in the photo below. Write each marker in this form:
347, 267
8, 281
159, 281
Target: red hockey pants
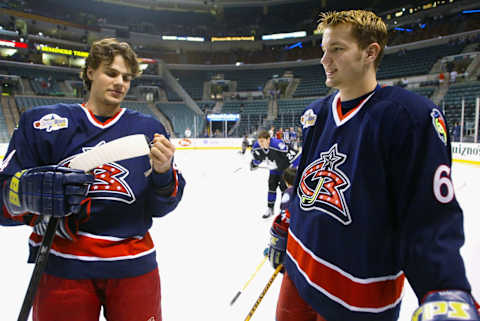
291, 306
136, 298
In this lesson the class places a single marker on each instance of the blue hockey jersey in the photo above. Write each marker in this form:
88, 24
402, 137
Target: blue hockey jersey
278, 152
374, 204
114, 242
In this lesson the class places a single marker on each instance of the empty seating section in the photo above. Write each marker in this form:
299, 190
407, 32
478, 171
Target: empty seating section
181, 117
27, 102
423, 91
452, 101
138, 106
252, 113
312, 81
250, 123
43, 82
4, 137
45, 86
251, 79
414, 62
256, 107
290, 111
192, 81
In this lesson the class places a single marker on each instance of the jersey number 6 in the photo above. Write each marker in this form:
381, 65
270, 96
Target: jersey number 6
442, 184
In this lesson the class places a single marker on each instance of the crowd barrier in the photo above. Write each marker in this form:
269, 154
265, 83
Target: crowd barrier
468, 153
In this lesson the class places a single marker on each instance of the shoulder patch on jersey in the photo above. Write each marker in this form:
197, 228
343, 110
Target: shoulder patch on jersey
322, 186
439, 125
281, 145
308, 118
51, 122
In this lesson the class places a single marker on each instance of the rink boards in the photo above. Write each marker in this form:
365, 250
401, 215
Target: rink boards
468, 153
462, 152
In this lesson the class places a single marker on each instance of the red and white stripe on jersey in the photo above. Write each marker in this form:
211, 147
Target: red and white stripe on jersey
89, 247
338, 116
109, 122
374, 294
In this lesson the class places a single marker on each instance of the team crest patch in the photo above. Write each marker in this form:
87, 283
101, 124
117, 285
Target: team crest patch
323, 184
440, 125
308, 118
51, 122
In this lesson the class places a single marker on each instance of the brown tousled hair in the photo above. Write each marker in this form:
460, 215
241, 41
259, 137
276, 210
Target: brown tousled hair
105, 50
263, 134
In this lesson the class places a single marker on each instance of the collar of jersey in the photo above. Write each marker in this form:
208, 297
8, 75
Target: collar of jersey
339, 117
109, 122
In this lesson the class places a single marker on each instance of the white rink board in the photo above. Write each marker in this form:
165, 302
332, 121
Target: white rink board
466, 152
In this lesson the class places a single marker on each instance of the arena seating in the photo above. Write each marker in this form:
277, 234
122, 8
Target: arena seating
414, 62
312, 81
27, 102
181, 117
4, 137
423, 91
453, 100
255, 107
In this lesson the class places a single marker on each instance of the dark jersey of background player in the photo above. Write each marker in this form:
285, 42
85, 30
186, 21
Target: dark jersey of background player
277, 152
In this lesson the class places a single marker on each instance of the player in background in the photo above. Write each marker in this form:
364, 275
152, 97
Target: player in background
102, 254
245, 144
374, 200
276, 151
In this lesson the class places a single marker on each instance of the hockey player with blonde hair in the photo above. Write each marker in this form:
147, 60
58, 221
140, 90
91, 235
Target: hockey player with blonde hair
374, 201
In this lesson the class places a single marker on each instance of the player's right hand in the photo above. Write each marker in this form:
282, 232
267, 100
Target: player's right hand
46, 190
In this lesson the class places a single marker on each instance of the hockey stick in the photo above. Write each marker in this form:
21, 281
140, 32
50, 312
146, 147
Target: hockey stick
245, 168
249, 280
260, 298
312, 198
114, 151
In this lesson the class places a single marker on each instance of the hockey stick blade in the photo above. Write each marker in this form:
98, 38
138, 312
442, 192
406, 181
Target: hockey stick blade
113, 151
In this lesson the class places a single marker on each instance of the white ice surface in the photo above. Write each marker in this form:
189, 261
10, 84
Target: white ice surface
211, 244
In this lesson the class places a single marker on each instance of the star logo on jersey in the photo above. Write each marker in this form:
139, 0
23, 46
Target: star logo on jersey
439, 125
51, 122
323, 184
109, 181
308, 118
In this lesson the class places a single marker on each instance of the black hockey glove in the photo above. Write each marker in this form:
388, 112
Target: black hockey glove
278, 243
253, 165
46, 190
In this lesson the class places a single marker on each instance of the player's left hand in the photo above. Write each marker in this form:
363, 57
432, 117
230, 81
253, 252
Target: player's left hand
447, 305
161, 153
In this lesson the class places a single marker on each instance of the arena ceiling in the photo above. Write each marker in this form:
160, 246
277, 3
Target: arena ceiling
200, 5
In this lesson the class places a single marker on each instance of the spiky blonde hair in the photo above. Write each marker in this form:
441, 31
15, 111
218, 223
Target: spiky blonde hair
367, 27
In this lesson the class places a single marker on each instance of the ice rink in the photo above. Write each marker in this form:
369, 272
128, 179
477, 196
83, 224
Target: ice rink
212, 243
